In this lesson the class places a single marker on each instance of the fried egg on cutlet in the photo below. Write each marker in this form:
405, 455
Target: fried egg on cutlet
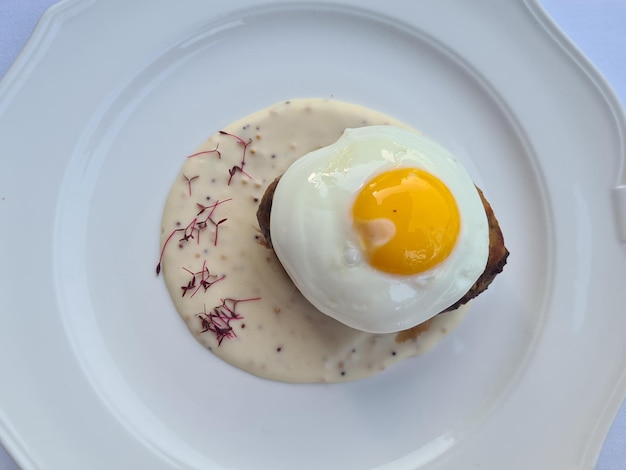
381, 230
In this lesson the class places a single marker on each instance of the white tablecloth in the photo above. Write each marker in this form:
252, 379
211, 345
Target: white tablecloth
598, 27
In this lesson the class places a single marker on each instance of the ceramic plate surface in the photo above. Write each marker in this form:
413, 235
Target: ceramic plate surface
95, 122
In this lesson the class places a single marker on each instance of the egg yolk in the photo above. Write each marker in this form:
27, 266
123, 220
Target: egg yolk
406, 220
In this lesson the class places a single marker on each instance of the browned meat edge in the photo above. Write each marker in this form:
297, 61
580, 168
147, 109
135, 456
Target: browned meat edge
495, 262
264, 211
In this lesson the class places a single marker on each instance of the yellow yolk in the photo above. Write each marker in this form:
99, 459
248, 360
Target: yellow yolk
407, 221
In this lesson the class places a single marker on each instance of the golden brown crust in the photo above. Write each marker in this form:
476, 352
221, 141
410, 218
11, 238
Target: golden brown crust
264, 211
495, 261
412, 333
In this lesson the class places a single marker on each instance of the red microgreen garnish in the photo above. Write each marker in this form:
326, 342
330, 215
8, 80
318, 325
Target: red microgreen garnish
238, 139
238, 168
193, 229
206, 280
234, 170
189, 180
209, 217
215, 150
218, 321
187, 234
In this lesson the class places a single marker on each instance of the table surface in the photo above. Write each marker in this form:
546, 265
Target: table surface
595, 26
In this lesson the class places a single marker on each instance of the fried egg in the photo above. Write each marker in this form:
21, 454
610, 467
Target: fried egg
381, 230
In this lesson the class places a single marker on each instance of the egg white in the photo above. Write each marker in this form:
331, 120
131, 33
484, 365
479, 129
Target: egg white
312, 234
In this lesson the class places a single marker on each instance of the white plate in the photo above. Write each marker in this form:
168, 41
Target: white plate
95, 120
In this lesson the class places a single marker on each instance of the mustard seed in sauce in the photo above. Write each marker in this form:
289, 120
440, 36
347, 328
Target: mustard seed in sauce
310, 343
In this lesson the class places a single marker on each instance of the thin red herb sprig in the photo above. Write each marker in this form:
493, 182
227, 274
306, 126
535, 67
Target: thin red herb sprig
234, 170
193, 229
188, 233
218, 321
206, 280
189, 180
238, 168
209, 218
215, 150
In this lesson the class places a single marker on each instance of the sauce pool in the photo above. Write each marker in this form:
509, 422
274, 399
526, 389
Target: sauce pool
231, 290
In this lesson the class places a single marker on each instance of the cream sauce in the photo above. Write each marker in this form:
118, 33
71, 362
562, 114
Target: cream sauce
231, 290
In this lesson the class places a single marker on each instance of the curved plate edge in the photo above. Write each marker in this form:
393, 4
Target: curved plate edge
52, 20
43, 34
38, 43
611, 99
618, 195
15, 447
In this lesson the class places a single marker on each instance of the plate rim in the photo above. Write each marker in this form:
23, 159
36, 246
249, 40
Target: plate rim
54, 18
